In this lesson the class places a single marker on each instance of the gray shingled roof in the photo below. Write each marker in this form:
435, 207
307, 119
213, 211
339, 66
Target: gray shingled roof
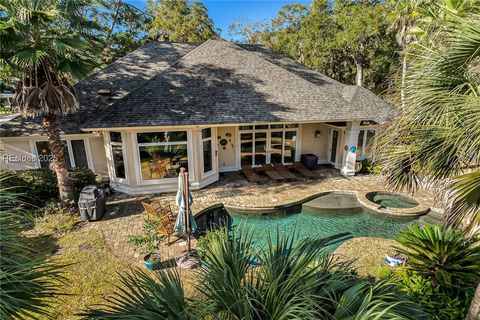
216, 83
121, 77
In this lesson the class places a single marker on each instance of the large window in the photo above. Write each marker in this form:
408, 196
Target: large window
364, 139
207, 150
162, 154
74, 151
117, 154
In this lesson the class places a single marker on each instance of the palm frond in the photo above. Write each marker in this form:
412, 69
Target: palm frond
463, 198
27, 283
144, 296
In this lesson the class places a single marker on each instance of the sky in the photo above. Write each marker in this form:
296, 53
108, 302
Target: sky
226, 12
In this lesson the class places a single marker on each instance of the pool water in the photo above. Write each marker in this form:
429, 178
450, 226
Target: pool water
389, 200
322, 223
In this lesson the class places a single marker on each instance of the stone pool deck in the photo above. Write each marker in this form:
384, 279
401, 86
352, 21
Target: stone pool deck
125, 212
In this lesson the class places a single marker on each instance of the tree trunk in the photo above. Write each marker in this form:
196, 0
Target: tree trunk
59, 163
359, 75
474, 312
404, 75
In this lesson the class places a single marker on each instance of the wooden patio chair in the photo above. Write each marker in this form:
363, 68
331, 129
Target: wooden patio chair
287, 174
158, 212
272, 173
300, 168
251, 175
165, 220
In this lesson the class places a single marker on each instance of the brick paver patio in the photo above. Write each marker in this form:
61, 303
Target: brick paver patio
125, 213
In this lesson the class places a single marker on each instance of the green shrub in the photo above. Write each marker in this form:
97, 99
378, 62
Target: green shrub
445, 256
439, 303
81, 177
384, 273
369, 167
204, 241
40, 185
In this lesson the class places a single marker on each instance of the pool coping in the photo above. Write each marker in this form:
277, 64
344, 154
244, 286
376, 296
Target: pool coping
361, 197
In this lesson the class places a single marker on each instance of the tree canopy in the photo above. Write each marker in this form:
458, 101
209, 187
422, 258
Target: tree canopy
348, 40
180, 21
124, 28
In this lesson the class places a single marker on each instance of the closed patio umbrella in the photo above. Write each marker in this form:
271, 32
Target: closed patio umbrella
185, 223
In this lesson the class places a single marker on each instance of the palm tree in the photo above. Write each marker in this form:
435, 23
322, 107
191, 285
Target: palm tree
287, 279
47, 43
26, 282
436, 141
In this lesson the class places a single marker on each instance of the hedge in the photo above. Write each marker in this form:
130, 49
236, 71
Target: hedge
40, 185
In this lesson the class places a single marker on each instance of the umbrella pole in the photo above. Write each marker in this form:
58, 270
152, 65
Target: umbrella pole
187, 209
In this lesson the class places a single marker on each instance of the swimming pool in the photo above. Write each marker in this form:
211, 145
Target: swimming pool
309, 222
324, 216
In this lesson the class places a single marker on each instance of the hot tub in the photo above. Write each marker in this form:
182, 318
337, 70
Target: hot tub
391, 200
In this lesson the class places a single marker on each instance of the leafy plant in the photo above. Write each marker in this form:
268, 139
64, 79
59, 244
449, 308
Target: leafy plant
143, 296
40, 185
149, 241
26, 283
440, 304
445, 256
204, 241
288, 279
369, 167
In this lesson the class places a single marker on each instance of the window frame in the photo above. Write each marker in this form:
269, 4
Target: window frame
137, 157
68, 141
113, 176
364, 140
202, 160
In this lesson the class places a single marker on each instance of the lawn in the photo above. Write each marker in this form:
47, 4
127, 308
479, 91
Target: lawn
90, 269
367, 253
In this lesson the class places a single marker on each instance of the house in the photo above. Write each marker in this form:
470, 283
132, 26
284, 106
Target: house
210, 107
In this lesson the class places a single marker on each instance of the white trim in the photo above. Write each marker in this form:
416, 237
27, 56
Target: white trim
86, 144
192, 126
330, 146
161, 187
88, 151
70, 153
213, 133
111, 161
62, 137
34, 149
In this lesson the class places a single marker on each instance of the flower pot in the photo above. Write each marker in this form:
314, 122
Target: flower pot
152, 261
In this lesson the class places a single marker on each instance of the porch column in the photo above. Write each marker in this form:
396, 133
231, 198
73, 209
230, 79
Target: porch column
349, 156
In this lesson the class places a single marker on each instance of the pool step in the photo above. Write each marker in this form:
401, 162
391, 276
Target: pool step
432, 217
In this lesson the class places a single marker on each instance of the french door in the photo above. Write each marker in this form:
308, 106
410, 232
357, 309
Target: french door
259, 147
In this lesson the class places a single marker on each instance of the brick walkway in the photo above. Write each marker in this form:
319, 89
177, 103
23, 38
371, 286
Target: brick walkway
125, 213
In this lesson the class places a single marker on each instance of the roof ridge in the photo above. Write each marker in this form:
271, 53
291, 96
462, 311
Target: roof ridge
269, 62
182, 57
295, 61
